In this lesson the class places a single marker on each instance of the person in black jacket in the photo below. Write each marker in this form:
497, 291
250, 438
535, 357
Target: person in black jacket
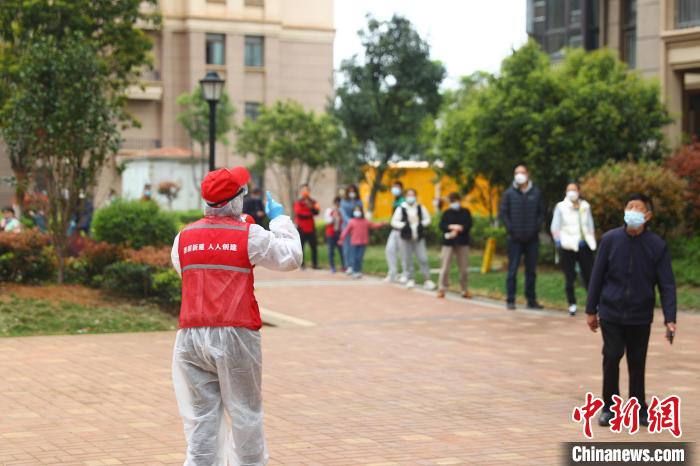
253, 206
522, 214
455, 224
632, 261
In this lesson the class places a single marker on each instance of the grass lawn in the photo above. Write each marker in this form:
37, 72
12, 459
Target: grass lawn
22, 315
550, 281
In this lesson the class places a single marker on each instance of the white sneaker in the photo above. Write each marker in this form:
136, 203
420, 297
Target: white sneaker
572, 310
357, 276
389, 279
410, 283
348, 271
403, 279
429, 285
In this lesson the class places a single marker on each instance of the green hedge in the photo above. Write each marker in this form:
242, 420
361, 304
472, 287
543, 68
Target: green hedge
134, 224
143, 281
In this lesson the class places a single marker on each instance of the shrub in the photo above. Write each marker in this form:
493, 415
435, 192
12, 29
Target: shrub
608, 187
134, 224
482, 230
25, 257
128, 279
686, 164
685, 253
98, 255
149, 255
143, 281
167, 287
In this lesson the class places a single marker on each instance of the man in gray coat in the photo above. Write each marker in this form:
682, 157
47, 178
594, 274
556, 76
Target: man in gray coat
522, 214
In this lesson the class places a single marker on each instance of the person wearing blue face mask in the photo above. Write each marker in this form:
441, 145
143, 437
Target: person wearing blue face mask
455, 224
393, 251
632, 262
347, 207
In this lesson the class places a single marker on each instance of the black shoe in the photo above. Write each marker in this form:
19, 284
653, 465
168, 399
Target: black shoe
605, 418
534, 305
510, 306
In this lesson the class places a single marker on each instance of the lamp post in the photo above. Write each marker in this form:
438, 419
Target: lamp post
212, 87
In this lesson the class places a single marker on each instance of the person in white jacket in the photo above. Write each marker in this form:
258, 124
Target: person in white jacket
411, 220
574, 235
217, 365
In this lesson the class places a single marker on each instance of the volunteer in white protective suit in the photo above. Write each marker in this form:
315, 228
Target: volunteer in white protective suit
217, 358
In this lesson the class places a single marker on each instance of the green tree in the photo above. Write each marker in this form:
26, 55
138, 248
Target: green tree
61, 112
384, 99
294, 144
195, 118
121, 48
561, 121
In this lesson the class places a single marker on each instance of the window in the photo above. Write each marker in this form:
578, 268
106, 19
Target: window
687, 13
215, 49
629, 32
252, 110
556, 24
254, 55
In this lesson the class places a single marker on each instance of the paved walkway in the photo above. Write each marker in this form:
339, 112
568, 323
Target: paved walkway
364, 373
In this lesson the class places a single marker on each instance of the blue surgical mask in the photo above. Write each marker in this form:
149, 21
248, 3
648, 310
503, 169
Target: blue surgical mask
634, 218
396, 191
411, 199
357, 214
455, 205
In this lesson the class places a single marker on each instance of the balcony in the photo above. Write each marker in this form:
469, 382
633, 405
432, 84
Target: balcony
132, 144
151, 87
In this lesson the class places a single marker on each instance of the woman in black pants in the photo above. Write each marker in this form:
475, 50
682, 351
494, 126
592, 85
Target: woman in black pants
574, 235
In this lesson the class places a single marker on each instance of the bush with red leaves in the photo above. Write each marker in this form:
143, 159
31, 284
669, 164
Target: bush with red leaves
686, 164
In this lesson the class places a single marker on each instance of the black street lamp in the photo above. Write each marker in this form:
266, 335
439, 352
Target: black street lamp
212, 87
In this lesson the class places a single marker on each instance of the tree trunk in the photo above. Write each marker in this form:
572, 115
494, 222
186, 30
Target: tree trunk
20, 190
376, 184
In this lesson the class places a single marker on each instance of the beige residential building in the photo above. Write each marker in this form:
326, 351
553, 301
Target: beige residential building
660, 38
266, 50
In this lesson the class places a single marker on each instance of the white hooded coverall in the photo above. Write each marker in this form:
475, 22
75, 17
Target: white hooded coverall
217, 371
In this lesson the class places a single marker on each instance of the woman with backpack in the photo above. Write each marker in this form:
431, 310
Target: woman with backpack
412, 220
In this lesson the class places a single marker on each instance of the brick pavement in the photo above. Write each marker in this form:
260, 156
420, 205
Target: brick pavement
378, 375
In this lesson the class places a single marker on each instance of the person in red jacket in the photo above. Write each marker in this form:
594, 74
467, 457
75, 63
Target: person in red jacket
217, 365
358, 229
305, 209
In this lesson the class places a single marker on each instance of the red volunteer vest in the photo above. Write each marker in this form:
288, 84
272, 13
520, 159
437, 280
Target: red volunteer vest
217, 276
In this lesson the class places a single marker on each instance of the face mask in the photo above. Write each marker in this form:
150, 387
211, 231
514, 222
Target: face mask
634, 219
572, 196
147, 193
455, 205
396, 191
411, 199
352, 195
357, 214
520, 178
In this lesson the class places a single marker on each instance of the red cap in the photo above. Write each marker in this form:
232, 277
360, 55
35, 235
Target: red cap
222, 185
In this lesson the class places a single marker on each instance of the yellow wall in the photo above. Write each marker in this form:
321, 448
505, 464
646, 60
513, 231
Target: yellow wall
428, 187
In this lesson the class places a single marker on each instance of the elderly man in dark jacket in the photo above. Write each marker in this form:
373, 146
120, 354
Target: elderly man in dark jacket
632, 261
522, 213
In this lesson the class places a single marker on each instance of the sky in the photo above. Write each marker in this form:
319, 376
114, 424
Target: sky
466, 35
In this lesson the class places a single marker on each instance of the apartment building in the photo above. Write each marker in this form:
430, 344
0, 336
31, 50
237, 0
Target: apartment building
660, 38
265, 50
